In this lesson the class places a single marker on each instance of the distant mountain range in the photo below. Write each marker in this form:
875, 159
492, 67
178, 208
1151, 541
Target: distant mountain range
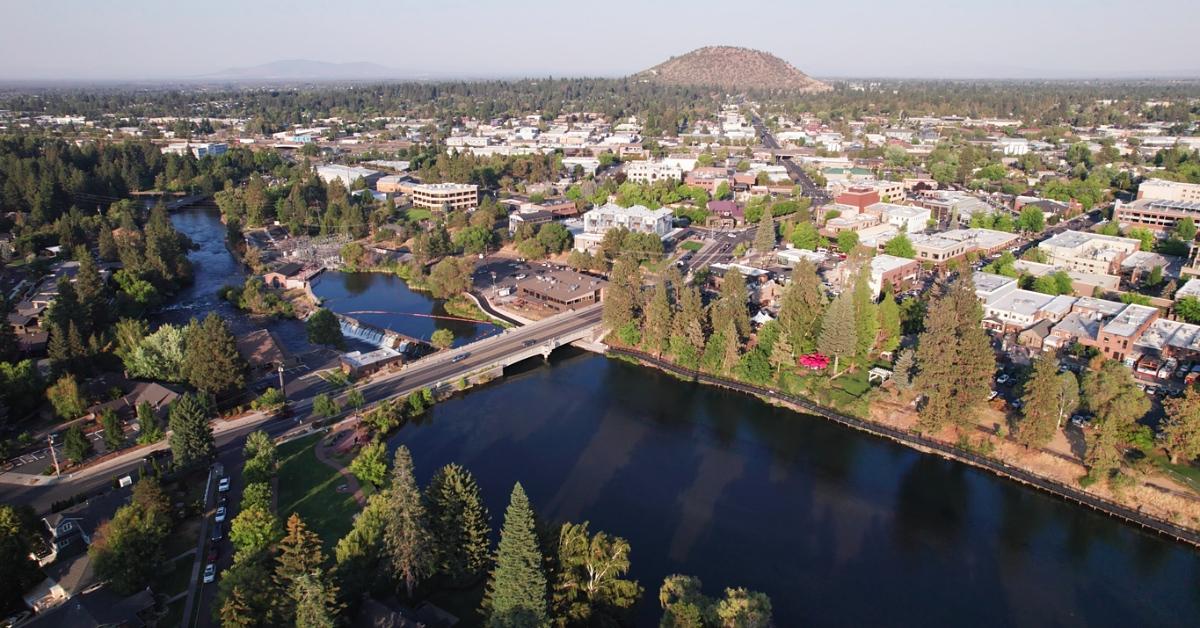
730, 67
307, 70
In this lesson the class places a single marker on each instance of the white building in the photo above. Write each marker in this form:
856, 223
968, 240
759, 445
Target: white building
347, 174
1088, 252
651, 171
637, 218
905, 218
439, 196
1013, 146
1161, 189
199, 149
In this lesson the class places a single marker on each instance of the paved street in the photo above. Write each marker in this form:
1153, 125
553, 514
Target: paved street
440, 368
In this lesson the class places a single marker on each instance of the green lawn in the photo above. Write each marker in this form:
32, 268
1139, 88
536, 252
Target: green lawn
419, 213
691, 246
1183, 473
175, 578
308, 487
174, 616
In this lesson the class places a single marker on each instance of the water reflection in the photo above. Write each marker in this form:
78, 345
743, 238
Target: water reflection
837, 527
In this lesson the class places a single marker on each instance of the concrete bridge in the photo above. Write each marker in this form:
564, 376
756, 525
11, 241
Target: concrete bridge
582, 327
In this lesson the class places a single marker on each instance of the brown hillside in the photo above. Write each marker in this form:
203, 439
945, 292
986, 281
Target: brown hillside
732, 68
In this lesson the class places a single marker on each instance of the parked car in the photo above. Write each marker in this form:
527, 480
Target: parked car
220, 514
217, 533
223, 485
1002, 379
214, 552
210, 573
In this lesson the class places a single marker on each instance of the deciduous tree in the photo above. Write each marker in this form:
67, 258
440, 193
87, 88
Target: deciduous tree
1181, 432
323, 328
590, 588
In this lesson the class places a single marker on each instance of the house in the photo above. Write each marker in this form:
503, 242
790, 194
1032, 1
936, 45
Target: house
158, 396
99, 607
263, 352
725, 215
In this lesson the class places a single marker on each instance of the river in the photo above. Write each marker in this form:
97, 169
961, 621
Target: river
837, 527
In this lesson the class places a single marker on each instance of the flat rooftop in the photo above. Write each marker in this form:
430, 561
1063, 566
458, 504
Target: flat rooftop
1127, 322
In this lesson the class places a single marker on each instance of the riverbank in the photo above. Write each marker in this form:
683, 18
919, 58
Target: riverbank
1136, 515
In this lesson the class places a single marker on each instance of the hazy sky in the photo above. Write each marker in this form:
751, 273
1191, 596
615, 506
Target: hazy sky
146, 39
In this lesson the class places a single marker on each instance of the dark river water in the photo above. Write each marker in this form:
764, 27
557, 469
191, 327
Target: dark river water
385, 301
839, 528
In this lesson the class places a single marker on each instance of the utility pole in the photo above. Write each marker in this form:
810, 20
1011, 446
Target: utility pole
53, 455
282, 390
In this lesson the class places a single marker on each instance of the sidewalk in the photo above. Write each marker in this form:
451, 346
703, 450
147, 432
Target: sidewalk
25, 479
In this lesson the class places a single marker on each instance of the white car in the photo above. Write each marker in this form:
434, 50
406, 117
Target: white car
1003, 379
210, 573
223, 485
220, 514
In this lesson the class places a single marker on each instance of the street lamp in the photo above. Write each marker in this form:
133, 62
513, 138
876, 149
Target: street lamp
282, 390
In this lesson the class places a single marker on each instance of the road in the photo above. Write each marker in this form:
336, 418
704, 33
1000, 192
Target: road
801, 178
439, 368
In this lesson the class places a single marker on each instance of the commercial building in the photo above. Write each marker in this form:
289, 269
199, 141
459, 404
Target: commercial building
1164, 190
892, 272
952, 206
708, 179
442, 196
1117, 337
858, 197
348, 174
905, 218
199, 149
940, 248
561, 290
1155, 214
636, 218
1013, 146
652, 171
1088, 252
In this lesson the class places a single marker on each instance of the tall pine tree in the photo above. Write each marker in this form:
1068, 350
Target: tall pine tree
406, 539
458, 523
516, 592
211, 362
839, 333
656, 327
801, 306
191, 434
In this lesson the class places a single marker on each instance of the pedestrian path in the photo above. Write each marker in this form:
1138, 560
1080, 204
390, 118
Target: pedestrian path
325, 453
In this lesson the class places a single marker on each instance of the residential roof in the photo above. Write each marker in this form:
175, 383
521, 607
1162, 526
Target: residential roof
261, 348
97, 608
